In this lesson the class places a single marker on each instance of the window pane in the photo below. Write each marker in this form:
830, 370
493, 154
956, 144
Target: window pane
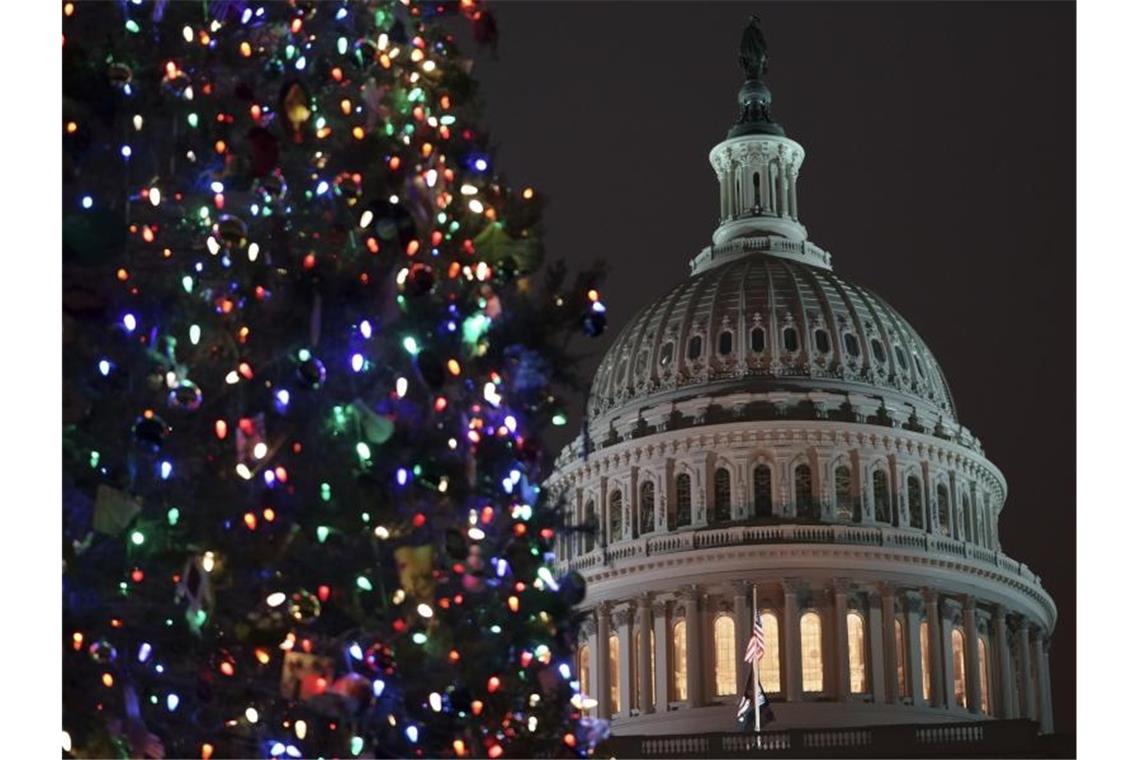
804, 506
762, 489
584, 669
615, 516
757, 339
667, 353
591, 525
856, 653
791, 339
684, 500
770, 662
615, 676
647, 505
724, 641
680, 678
958, 641
878, 350
843, 496
811, 649
944, 510
914, 501
695, 347
822, 341
725, 345
918, 366
722, 496
851, 345
882, 497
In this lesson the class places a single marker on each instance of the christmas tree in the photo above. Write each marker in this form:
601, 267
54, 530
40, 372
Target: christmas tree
309, 347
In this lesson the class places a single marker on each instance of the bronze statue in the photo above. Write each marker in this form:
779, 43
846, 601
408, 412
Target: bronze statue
753, 50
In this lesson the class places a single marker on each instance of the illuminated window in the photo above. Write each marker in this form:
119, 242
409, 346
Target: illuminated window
652, 667
804, 506
844, 497
882, 496
615, 676
591, 526
958, 642
900, 658
684, 500
722, 496
914, 501
770, 662
943, 510
811, 651
635, 671
646, 515
762, 490
984, 674
924, 656
724, 645
680, 677
584, 668
856, 652
615, 516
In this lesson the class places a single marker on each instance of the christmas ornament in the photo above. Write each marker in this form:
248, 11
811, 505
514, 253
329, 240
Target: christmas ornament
304, 607
376, 428
311, 371
414, 564
114, 510
305, 676
295, 108
186, 396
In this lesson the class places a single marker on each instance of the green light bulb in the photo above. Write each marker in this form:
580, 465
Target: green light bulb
322, 533
172, 515
363, 583
137, 538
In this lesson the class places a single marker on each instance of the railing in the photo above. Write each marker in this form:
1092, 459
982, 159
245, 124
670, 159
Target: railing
991, 738
740, 535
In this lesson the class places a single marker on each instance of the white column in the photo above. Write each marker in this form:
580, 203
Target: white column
973, 682
934, 639
625, 660
948, 652
878, 669
1042, 699
603, 661
1047, 693
912, 606
693, 646
644, 626
661, 656
1028, 702
1005, 671
742, 620
890, 655
842, 667
790, 645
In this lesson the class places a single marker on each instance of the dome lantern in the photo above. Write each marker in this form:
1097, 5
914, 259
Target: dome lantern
757, 167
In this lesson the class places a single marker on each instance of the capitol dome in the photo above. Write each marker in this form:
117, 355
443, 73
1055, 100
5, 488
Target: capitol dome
770, 441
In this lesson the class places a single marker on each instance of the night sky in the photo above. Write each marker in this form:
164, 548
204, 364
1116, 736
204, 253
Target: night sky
940, 173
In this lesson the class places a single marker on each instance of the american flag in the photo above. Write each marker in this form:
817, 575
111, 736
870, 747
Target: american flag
755, 649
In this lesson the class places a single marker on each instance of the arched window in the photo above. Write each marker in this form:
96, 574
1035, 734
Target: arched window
844, 498
791, 340
762, 490
684, 500
804, 506
882, 496
962, 533
591, 525
724, 649
900, 355
851, 345
958, 644
724, 343
756, 189
615, 676
856, 652
680, 677
811, 651
924, 657
770, 662
943, 509
722, 496
584, 668
914, 501
984, 674
756, 338
901, 658
822, 341
615, 516
647, 507
667, 353
878, 350
696, 346
918, 366
641, 363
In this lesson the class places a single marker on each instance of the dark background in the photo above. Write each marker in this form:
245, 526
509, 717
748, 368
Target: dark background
940, 173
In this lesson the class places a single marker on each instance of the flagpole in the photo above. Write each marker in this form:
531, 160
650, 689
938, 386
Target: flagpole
755, 665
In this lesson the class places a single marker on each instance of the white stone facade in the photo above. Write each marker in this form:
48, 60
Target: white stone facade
770, 426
